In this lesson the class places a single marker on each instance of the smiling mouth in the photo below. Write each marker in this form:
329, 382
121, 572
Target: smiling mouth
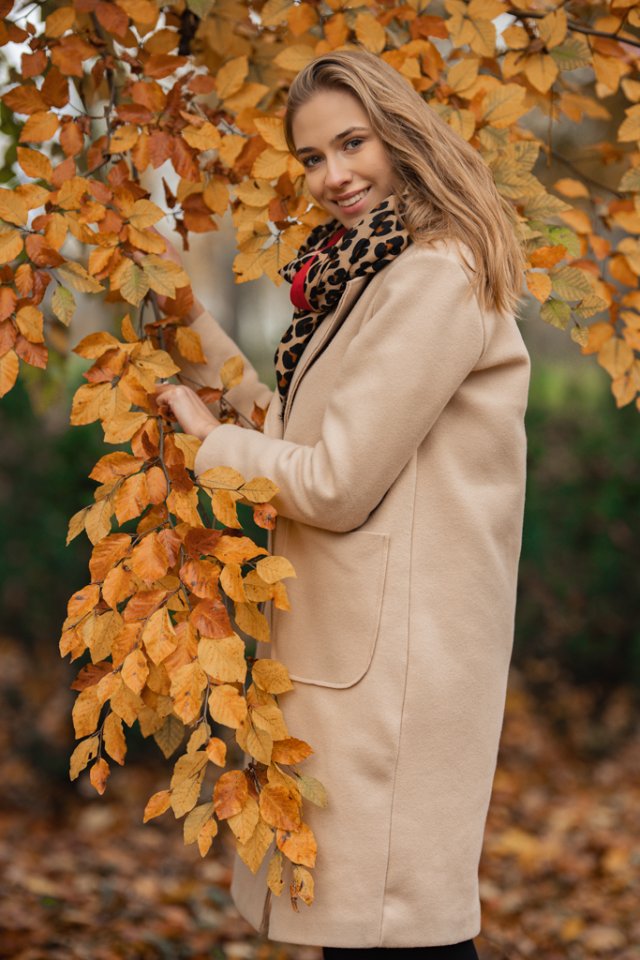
345, 204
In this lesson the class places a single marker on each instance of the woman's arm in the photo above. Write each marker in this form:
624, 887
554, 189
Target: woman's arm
218, 347
424, 337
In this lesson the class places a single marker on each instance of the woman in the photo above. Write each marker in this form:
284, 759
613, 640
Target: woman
395, 436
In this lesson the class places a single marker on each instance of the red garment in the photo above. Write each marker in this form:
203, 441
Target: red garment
296, 294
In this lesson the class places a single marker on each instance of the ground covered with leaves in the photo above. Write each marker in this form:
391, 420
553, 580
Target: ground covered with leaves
83, 877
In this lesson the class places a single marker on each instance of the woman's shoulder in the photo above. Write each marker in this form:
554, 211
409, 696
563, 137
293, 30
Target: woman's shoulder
432, 251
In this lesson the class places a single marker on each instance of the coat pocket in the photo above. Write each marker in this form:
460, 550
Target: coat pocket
328, 636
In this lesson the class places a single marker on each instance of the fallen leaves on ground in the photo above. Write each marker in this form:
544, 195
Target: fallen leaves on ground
82, 877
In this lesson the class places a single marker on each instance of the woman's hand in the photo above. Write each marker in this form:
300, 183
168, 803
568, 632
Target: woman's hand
184, 405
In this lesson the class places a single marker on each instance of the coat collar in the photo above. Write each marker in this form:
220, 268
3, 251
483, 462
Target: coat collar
322, 336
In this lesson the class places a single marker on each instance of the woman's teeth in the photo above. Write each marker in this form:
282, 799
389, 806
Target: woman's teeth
350, 202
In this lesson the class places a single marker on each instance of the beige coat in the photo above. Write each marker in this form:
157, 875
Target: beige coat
401, 475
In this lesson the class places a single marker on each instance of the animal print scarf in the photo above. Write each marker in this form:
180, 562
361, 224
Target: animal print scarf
332, 255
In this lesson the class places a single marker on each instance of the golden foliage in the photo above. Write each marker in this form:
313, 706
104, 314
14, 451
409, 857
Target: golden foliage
159, 619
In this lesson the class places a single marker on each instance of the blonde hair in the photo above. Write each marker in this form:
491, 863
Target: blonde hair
444, 188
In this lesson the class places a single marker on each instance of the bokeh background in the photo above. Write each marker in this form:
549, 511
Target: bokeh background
81, 876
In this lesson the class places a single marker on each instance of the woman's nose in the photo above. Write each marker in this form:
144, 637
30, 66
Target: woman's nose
337, 173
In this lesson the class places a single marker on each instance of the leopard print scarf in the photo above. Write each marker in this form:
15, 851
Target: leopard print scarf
333, 255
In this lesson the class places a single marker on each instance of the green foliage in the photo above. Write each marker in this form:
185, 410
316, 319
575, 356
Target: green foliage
580, 572
43, 478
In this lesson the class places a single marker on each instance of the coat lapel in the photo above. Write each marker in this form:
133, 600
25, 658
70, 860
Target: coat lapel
323, 335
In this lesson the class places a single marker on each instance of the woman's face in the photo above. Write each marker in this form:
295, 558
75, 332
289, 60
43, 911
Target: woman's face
347, 168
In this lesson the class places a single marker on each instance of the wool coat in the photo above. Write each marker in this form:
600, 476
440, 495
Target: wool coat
400, 462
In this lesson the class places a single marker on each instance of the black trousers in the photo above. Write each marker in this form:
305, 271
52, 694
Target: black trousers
452, 951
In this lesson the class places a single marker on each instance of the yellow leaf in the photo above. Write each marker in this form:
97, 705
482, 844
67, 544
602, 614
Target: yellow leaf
251, 621
144, 214
157, 804
98, 775
300, 846
40, 127
135, 670
541, 71
216, 194
29, 320
195, 820
76, 275
187, 684
569, 187
231, 76
223, 504
231, 372
227, 706
553, 28
224, 658
205, 836
186, 781
11, 245
216, 750
206, 137
13, 209
279, 807
253, 852
158, 636
275, 12
370, 32
114, 741
232, 584
630, 128
271, 675
230, 794
85, 712
257, 742
258, 490
190, 345
230, 148
275, 568
275, 881
539, 285
302, 886
269, 164
616, 356
295, 57
254, 193
123, 138
271, 130
244, 823
504, 105
83, 753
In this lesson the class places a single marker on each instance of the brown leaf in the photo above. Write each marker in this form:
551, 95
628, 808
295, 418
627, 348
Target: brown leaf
230, 794
279, 807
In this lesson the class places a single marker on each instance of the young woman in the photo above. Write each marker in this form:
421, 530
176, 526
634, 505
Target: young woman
395, 436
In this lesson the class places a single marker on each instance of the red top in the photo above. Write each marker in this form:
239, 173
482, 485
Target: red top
296, 294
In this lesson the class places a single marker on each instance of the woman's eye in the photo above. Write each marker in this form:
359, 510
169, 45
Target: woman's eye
355, 140
307, 161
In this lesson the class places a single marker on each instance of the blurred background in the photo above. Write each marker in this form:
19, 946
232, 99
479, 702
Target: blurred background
81, 876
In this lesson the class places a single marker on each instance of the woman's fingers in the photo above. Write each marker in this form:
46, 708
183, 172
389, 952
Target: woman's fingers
187, 408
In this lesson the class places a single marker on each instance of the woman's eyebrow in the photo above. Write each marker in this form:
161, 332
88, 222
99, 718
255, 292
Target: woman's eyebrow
338, 136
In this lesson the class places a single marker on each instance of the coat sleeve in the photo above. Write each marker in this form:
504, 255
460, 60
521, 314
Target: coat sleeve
217, 347
424, 336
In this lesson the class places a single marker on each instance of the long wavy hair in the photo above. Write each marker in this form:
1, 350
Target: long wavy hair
444, 188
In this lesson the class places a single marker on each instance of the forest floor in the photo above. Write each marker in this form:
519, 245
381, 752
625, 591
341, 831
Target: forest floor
82, 877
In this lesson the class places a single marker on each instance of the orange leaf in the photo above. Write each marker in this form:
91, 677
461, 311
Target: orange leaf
290, 751
9, 365
279, 807
157, 804
230, 794
149, 559
299, 847
98, 775
135, 670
